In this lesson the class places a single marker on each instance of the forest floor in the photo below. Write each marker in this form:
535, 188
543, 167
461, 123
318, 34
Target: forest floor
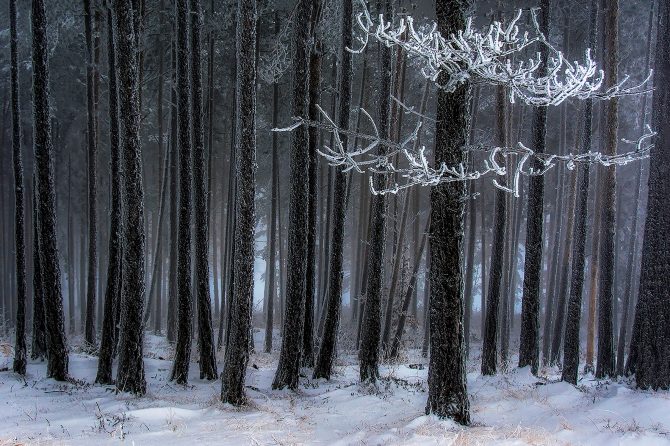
514, 408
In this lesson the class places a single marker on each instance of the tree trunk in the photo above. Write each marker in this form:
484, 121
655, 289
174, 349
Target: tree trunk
174, 200
529, 349
491, 329
89, 331
605, 366
649, 356
20, 355
113, 290
38, 349
237, 351
294, 316
368, 354
447, 384
130, 375
57, 351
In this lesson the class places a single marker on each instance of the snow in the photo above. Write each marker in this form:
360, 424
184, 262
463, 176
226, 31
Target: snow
513, 408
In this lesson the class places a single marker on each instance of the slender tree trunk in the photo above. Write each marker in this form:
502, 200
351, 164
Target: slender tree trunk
294, 319
205, 332
20, 355
174, 200
38, 349
491, 329
326, 358
113, 290
237, 351
57, 350
605, 366
529, 350
70, 250
89, 332
368, 354
182, 357
272, 224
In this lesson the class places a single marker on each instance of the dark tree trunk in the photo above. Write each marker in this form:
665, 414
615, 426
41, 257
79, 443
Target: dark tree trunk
310, 279
70, 250
57, 350
649, 356
174, 201
411, 288
182, 356
368, 354
491, 329
605, 366
89, 331
326, 358
205, 332
274, 204
20, 355
130, 375
294, 316
529, 349
38, 349
113, 290
447, 384
237, 351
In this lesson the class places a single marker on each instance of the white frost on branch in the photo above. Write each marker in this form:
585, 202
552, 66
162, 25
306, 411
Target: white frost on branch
489, 57
406, 162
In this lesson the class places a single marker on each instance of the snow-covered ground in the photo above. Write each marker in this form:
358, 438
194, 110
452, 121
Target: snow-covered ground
514, 408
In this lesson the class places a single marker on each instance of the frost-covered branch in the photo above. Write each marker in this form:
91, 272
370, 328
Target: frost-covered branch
489, 57
409, 163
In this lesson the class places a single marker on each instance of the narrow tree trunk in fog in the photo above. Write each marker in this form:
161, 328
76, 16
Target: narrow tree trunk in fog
237, 351
397, 337
274, 204
57, 367
130, 375
113, 290
174, 200
605, 366
89, 331
628, 309
294, 315
182, 356
70, 250
205, 332
470, 265
38, 348
368, 354
491, 328
20, 355
483, 279
529, 349
447, 384
326, 358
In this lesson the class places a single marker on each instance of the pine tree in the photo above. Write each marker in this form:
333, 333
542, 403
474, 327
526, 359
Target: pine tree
38, 348
491, 329
447, 384
58, 359
294, 319
182, 355
649, 357
529, 349
237, 350
113, 289
174, 201
368, 354
326, 358
20, 355
605, 365
205, 333
130, 375
89, 332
